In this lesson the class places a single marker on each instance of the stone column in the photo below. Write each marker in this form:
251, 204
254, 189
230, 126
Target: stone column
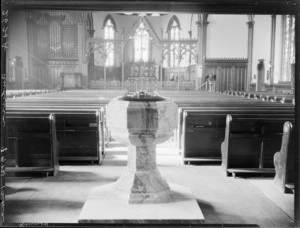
250, 51
91, 58
190, 56
122, 58
178, 67
272, 52
201, 52
161, 60
30, 33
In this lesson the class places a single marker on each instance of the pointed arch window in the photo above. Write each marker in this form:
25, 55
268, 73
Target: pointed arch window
109, 34
173, 33
141, 44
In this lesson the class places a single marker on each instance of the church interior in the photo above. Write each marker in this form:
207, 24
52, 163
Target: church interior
151, 118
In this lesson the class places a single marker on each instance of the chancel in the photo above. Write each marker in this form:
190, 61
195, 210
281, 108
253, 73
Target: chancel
147, 117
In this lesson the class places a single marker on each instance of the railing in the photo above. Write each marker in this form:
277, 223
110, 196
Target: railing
148, 85
208, 86
23, 93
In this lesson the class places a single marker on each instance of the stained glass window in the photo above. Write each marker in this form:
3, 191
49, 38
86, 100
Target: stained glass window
288, 54
141, 44
173, 35
109, 34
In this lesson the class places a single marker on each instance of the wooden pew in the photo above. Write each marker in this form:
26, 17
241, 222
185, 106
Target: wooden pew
80, 131
32, 144
251, 141
204, 130
266, 96
192, 112
284, 160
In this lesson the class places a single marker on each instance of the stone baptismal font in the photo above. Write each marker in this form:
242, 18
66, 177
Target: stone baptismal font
141, 195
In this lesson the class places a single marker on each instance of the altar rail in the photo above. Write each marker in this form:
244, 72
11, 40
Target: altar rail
23, 93
149, 85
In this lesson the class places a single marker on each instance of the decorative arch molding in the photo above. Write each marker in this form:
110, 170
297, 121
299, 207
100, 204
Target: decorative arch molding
151, 31
251, 18
109, 17
173, 18
202, 19
90, 25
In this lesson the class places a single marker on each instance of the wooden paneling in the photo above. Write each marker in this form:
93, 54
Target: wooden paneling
230, 73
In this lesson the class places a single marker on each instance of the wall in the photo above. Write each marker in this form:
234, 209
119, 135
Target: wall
261, 41
227, 36
17, 36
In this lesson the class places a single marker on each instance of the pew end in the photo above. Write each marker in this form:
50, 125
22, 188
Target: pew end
284, 161
249, 144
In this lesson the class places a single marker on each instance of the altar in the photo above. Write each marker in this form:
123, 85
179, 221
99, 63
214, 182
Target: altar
71, 80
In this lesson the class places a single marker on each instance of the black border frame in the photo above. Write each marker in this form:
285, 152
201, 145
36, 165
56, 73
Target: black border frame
177, 6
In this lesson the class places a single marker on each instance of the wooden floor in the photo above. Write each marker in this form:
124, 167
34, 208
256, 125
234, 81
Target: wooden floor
223, 200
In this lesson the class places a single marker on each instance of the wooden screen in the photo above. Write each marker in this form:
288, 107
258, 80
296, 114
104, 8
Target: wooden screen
230, 73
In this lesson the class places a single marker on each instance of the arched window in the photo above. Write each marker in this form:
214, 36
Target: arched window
109, 34
141, 44
173, 32
288, 46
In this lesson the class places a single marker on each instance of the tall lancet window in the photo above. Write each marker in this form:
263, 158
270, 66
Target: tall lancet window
141, 44
288, 50
109, 34
173, 30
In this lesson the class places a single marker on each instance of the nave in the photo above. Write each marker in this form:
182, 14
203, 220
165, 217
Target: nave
248, 199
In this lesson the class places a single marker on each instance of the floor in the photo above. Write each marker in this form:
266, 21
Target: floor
223, 200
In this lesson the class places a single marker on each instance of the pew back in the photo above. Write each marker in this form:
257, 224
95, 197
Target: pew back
32, 143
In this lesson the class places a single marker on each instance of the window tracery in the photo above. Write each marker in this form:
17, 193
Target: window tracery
141, 44
173, 30
109, 34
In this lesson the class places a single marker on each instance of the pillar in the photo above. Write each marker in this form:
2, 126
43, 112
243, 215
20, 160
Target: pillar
297, 120
122, 58
30, 33
250, 51
201, 50
161, 60
91, 57
272, 52
82, 51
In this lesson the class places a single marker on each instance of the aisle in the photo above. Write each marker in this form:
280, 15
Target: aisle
223, 200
